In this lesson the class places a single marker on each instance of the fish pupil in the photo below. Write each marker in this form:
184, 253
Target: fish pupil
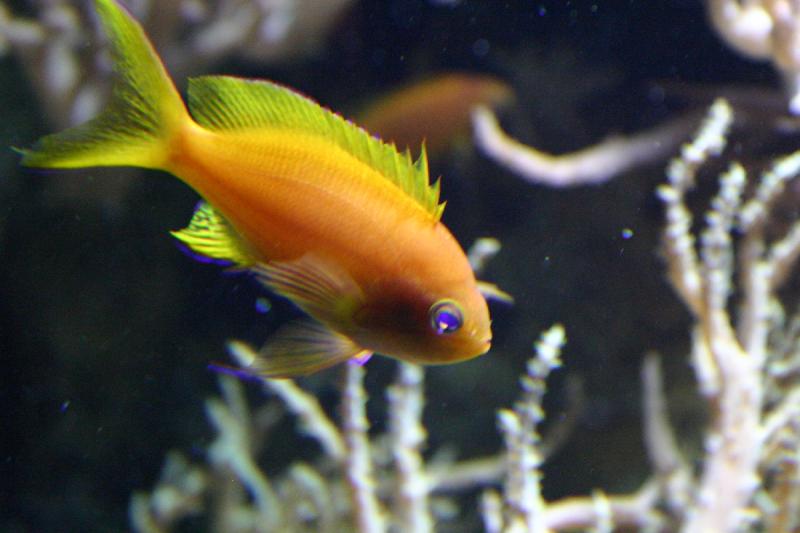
446, 317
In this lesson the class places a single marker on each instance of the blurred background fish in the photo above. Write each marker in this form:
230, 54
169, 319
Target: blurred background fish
435, 110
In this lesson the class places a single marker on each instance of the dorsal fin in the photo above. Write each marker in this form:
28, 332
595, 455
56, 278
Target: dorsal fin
227, 103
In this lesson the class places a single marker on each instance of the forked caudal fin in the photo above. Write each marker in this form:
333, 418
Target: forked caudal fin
144, 112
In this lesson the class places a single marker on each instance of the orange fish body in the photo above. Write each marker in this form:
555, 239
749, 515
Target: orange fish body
338, 222
436, 110
288, 200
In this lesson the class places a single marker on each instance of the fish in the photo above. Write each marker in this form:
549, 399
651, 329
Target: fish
435, 110
342, 224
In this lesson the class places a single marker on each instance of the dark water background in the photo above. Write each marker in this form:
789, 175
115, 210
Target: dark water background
106, 328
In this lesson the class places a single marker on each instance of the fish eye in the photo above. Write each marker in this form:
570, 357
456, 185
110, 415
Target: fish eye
446, 317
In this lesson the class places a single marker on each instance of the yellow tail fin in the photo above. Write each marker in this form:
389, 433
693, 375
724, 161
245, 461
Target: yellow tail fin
144, 112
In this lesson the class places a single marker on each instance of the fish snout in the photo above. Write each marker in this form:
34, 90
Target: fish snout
486, 344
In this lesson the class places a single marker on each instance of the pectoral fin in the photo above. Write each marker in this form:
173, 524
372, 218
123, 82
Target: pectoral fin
318, 287
211, 236
297, 349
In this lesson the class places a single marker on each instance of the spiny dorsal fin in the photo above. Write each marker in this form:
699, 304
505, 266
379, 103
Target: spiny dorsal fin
227, 103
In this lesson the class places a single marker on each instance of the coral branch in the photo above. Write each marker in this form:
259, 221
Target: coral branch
672, 473
637, 510
232, 450
313, 420
524, 503
766, 30
368, 514
407, 437
681, 255
179, 493
590, 166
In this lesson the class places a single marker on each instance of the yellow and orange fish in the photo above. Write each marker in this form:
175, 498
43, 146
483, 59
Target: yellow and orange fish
340, 223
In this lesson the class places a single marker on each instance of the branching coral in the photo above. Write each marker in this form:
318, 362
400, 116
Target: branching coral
733, 356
